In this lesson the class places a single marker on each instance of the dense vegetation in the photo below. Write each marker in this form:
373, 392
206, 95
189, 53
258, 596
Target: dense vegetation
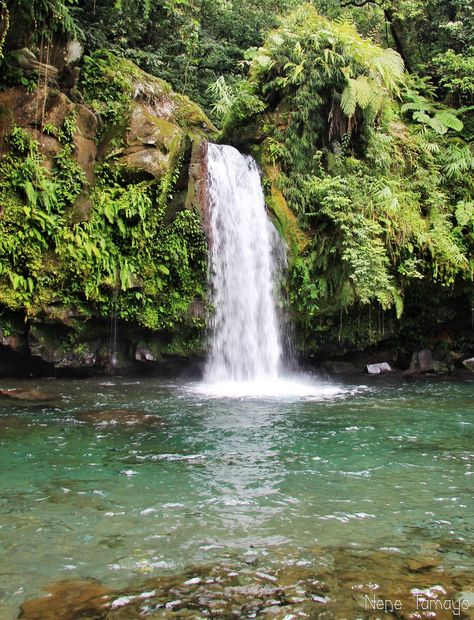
362, 119
378, 171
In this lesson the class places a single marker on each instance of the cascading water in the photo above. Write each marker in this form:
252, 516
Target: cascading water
245, 357
245, 249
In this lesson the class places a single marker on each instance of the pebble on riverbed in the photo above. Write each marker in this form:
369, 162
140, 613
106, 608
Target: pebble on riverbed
338, 583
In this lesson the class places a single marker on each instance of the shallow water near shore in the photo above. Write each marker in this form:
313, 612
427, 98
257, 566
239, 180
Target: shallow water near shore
172, 477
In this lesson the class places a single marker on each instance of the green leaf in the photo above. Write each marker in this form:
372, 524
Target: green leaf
448, 119
349, 99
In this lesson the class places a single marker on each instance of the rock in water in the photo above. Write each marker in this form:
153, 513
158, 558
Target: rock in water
116, 417
377, 369
67, 600
33, 395
469, 364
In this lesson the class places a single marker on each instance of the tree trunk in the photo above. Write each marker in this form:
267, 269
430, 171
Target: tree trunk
395, 30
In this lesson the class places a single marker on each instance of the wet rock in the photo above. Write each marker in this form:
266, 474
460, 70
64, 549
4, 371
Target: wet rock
338, 367
469, 364
377, 369
68, 600
125, 417
422, 564
53, 345
250, 558
196, 196
147, 351
29, 63
14, 422
15, 342
422, 361
341, 583
32, 395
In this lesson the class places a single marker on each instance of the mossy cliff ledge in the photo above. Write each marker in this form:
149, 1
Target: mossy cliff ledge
102, 249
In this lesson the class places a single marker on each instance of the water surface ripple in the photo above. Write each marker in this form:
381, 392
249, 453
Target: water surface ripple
206, 478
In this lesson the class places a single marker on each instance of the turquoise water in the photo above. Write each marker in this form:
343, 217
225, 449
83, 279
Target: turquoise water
380, 466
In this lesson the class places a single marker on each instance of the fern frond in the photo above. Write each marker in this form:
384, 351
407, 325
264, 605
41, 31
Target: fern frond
349, 99
449, 120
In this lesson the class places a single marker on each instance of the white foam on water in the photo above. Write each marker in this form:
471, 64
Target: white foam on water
280, 388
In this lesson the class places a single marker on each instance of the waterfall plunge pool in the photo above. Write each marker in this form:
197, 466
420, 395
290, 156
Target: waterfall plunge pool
347, 490
251, 495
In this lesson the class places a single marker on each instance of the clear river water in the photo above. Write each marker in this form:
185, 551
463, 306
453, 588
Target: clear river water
193, 479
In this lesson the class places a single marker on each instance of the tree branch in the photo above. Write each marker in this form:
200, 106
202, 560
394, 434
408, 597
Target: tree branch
357, 3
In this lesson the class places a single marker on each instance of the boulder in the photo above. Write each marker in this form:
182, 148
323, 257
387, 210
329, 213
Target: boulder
52, 345
86, 121
150, 160
49, 146
469, 364
15, 342
144, 353
29, 63
422, 361
152, 143
377, 369
148, 130
81, 209
85, 154
59, 107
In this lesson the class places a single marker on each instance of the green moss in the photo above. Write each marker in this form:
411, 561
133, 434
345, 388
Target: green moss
110, 85
284, 217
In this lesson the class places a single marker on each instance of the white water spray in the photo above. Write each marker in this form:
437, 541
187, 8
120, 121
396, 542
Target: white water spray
246, 356
246, 343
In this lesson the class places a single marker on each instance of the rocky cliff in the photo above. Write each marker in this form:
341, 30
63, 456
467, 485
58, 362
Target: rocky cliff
102, 251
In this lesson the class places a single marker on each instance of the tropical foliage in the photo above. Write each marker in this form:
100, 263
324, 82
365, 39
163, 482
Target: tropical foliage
127, 252
376, 169
361, 118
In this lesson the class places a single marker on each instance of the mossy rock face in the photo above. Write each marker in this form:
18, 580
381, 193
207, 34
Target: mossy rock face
111, 86
152, 144
284, 218
55, 346
113, 212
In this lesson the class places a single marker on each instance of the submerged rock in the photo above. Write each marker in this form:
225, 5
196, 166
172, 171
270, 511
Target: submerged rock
338, 583
67, 600
124, 417
32, 395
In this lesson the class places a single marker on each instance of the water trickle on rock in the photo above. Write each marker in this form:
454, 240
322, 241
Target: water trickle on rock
244, 254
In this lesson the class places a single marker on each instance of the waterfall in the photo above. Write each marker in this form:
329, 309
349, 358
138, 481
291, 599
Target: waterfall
245, 250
